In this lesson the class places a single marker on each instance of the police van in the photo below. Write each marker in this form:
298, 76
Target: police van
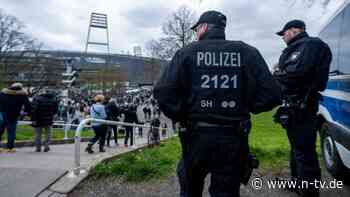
334, 109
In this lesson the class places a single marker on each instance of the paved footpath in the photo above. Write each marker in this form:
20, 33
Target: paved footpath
27, 173
31, 174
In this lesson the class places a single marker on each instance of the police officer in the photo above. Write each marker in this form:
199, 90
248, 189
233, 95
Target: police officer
210, 87
302, 72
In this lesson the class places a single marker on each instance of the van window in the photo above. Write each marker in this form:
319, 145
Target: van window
344, 49
331, 35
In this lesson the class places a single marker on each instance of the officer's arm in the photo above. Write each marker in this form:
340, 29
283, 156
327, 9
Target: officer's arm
316, 59
169, 90
267, 92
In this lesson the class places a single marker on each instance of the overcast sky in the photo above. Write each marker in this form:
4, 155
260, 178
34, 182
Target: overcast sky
63, 24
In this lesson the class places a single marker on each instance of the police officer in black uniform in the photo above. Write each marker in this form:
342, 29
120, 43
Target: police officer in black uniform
302, 72
210, 87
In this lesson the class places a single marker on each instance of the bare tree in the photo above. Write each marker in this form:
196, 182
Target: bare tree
178, 28
34, 70
177, 34
158, 49
11, 35
13, 42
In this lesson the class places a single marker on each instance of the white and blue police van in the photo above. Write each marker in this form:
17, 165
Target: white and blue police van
334, 109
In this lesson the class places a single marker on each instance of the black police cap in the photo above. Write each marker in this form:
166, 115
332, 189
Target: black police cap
292, 24
211, 17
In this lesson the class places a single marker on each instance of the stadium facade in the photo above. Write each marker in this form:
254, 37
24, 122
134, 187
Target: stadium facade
134, 69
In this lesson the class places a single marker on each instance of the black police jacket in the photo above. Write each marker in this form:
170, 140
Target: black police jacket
304, 66
216, 80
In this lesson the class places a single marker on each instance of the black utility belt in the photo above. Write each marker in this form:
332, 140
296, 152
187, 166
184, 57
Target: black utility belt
216, 129
206, 124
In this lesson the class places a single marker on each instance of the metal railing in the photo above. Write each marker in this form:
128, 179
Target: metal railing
77, 170
65, 126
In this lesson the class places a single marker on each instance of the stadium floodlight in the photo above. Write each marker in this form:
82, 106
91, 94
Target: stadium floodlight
98, 21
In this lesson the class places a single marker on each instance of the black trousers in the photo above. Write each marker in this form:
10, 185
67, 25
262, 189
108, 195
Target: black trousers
205, 151
100, 135
129, 134
140, 131
113, 128
181, 174
304, 163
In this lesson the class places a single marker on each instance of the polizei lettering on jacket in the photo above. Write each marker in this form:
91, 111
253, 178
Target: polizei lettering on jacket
219, 59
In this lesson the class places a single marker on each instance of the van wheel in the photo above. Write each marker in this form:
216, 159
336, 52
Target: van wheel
331, 157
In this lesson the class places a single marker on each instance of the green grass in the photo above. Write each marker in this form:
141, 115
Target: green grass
143, 165
268, 141
26, 132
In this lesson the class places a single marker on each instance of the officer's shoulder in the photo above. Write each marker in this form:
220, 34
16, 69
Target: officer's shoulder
244, 47
315, 41
186, 48
229, 43
191, 45
249, 47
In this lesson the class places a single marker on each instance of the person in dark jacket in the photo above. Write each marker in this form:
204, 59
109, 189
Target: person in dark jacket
130, 117
145, 112
113, 113
211, 86
164, 129
12, 100
44, 107
302, 73
155, 125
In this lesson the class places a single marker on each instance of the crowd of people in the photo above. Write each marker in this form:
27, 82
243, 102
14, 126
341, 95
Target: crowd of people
46, 107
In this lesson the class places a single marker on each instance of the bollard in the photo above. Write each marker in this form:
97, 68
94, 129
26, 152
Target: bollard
78, 170
66, 132
77, 139
133, 137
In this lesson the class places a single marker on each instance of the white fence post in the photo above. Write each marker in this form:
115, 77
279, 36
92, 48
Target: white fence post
78, 170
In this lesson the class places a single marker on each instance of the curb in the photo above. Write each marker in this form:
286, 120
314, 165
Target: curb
65, 185
53, 142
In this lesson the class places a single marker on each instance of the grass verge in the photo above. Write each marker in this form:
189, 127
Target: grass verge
26, 132
267, 140
146, 164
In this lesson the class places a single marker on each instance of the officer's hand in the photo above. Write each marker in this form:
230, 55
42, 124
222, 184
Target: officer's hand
276, 116
34, 123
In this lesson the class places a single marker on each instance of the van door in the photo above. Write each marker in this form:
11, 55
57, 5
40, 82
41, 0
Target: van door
344, 70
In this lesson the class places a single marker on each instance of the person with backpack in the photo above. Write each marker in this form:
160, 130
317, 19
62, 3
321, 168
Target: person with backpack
44, 107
